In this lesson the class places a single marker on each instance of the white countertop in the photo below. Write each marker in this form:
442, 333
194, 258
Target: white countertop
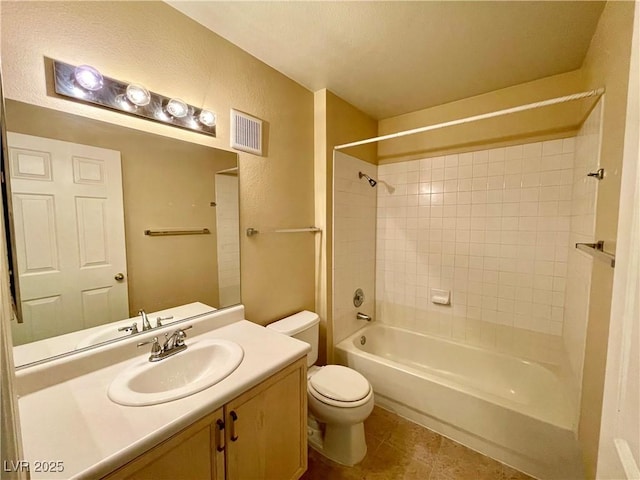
75, 422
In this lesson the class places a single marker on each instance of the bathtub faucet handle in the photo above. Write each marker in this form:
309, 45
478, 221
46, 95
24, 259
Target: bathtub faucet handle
362, 316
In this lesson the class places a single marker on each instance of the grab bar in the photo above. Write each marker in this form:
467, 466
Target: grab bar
164, 233
596, 250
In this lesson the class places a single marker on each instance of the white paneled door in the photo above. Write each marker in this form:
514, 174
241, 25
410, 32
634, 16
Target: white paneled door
69, 233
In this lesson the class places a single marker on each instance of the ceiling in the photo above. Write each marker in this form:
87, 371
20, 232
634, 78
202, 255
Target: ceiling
393, 57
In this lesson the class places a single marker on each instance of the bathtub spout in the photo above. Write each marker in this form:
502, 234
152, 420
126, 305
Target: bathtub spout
362, 316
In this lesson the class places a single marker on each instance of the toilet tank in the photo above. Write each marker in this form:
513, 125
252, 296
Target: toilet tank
303, 326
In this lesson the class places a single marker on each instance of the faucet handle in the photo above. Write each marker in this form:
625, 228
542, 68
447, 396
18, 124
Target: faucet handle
159, 320
176, 339
180, 335
155, 347
129, 328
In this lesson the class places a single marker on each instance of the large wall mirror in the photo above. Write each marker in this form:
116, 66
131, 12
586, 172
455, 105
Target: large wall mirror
109, 220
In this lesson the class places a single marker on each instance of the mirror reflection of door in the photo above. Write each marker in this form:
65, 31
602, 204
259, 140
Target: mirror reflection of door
69, 230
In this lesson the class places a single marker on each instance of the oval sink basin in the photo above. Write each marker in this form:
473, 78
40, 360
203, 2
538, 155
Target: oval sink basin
203, 364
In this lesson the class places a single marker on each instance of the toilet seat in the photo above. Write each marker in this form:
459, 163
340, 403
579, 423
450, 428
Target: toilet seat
339, 386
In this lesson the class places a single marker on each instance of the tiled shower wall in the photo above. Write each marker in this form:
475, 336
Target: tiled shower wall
354, 243
495, 227
227, 228
491, 226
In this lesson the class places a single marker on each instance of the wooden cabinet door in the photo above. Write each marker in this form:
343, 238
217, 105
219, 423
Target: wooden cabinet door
266, 428
192, 454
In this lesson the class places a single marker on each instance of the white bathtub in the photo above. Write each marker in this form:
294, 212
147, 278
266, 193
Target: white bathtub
510, 409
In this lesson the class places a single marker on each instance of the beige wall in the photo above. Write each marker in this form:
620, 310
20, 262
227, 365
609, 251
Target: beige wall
546, 123
606, 65
335, 122
153, 44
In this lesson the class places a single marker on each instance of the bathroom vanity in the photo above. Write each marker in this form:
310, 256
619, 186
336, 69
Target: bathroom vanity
256, 435
251, 424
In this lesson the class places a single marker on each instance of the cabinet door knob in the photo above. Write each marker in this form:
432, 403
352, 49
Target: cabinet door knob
220, 435
234, 418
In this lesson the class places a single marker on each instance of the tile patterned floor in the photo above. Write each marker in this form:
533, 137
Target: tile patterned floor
398, 449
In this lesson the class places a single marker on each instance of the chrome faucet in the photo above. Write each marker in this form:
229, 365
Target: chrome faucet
159, 320
130, 328
145, 321
176, 340
362, 316
156, 349
173, 344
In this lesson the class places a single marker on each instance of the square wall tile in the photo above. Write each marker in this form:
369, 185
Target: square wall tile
486, 228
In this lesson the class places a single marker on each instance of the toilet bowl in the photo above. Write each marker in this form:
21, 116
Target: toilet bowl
339, 398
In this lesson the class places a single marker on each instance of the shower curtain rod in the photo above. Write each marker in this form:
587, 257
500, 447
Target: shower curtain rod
483, 116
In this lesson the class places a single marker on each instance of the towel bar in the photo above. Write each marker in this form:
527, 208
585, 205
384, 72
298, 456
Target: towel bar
596, 250
252, 231
164, 233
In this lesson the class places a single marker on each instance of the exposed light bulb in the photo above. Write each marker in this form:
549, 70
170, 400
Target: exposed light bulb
138, 95
177, 108
207, 118
88, 78
123, 102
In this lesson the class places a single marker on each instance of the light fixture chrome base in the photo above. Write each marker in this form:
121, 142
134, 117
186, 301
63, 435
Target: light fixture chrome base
112, 94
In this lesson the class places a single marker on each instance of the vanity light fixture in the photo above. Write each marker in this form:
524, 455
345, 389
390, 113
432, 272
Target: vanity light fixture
86, 84
138, 95
207, 118
177, 108
124, 103
88, 78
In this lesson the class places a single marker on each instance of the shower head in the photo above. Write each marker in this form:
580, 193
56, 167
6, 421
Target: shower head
371, 181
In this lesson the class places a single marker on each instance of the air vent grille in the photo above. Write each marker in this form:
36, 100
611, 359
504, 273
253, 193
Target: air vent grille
246, 132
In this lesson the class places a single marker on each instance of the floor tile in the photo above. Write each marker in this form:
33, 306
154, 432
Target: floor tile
320, 468
509, 473
398, 449
456, 461
422, 444
390, 463
380, 423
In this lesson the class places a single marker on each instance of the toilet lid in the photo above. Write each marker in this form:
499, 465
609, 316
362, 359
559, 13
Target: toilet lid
340, 383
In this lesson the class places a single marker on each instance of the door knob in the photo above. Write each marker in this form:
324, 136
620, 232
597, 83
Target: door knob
119, 277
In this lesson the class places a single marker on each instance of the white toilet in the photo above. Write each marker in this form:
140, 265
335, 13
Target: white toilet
339, 398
